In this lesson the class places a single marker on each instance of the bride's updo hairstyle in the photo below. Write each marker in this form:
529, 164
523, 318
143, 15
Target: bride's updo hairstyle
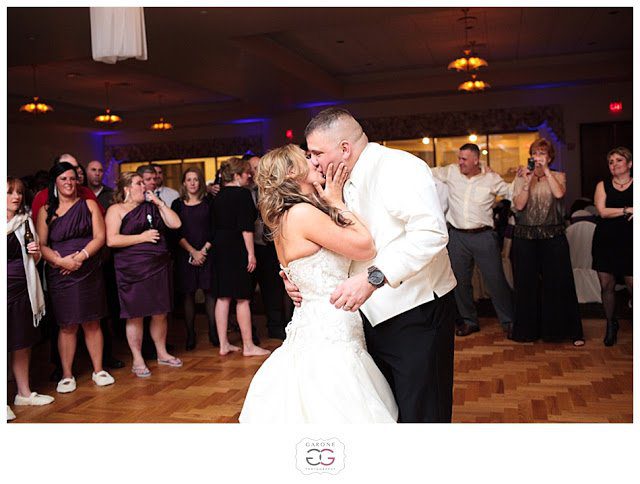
280, 172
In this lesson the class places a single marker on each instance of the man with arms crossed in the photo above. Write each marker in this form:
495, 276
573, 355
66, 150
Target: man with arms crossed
405, 293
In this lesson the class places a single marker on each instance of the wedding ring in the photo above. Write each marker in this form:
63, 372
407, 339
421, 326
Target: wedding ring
348, 308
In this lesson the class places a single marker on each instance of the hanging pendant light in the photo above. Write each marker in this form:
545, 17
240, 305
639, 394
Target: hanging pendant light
473, 85
36, 106
161, 124
470, 61
107, 117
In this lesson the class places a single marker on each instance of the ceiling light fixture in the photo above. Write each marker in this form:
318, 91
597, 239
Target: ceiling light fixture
470, 61
161, 124
473, 85
107, 117
35, 106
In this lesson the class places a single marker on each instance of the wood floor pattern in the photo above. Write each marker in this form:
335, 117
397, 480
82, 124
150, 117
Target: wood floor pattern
496, 380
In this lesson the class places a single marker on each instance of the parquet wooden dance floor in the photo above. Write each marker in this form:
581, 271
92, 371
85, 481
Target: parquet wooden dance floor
496, 380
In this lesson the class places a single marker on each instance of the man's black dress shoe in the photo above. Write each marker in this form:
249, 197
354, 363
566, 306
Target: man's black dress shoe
466, 329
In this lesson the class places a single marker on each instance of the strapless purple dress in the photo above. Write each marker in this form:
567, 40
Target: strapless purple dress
77, 297
143, 271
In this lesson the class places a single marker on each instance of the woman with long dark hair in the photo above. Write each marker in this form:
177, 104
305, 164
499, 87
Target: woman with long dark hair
71, 232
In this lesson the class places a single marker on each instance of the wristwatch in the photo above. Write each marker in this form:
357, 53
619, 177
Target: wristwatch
375, 277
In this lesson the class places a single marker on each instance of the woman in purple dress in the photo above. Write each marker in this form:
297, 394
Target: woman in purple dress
234, 254
71, 232
25, 299
194, 269
136, 231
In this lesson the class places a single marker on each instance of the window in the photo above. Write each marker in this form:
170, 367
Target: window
173, 169
502, 152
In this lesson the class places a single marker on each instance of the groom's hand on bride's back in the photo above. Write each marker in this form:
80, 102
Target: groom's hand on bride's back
292, 289
352, 293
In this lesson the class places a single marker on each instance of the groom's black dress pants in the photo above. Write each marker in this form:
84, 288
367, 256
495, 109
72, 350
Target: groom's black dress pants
414, 351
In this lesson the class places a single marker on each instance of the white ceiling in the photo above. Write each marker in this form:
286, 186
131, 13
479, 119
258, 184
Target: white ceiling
214, 65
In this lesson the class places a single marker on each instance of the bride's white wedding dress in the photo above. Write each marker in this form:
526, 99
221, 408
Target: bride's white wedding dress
322, 373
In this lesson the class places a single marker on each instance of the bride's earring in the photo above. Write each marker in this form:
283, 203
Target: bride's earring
126, 197
55, 191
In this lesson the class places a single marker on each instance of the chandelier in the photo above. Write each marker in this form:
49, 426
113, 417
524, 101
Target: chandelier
35, 106
107, 117
473, 85
470, 61
161, 124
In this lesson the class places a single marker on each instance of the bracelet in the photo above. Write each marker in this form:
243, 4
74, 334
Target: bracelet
624, 210
85, 253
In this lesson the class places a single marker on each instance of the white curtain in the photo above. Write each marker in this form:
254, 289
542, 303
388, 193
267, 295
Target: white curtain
118, 33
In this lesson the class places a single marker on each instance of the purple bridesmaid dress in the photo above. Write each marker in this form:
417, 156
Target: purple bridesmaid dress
77, 297
20, 330
143, 271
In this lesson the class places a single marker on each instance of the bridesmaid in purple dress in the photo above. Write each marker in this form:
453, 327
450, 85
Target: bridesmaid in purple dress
194, 264
25, 299
71, 232
136, 232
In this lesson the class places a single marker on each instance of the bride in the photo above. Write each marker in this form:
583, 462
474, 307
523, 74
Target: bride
322, 373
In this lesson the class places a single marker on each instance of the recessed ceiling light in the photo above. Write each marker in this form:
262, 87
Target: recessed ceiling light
73, 75
203, 12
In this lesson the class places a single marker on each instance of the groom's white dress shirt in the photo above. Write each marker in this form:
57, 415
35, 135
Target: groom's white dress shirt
394, 193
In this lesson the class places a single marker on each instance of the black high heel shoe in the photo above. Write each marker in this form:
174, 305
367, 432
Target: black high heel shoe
611, 336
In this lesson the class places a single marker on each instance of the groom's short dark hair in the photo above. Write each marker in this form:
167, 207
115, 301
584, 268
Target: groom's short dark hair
325, 119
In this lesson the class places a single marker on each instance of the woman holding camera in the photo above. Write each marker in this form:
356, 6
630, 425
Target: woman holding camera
545, 293
612, 248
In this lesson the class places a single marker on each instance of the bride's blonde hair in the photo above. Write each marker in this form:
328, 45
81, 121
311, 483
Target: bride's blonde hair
280, 172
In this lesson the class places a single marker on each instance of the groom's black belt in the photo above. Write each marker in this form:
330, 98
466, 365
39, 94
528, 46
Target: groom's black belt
484, 228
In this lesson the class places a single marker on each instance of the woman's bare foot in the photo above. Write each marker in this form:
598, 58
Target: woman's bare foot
227, 348
255, 351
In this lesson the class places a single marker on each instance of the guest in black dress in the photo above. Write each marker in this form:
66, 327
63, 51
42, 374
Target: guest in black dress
136, 231
25, 299
194, 266
612, 247
234, 254
546, 303
71, 232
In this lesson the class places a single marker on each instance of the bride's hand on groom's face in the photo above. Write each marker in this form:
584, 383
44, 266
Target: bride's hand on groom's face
352, 293
332, 191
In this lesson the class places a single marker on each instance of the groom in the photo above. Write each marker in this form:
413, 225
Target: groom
406, 292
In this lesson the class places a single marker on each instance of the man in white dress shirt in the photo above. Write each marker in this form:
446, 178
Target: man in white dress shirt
472, 194
166, 194
406, 293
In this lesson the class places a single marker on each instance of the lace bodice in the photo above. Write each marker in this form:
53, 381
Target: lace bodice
317, 319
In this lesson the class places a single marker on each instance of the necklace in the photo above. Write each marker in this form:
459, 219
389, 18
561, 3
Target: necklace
539, 177
621, 185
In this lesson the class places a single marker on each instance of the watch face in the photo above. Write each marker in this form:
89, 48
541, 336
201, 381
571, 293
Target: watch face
376, 278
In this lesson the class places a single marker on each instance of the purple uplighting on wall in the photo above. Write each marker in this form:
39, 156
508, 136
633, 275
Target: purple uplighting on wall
247, 120
318, 104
